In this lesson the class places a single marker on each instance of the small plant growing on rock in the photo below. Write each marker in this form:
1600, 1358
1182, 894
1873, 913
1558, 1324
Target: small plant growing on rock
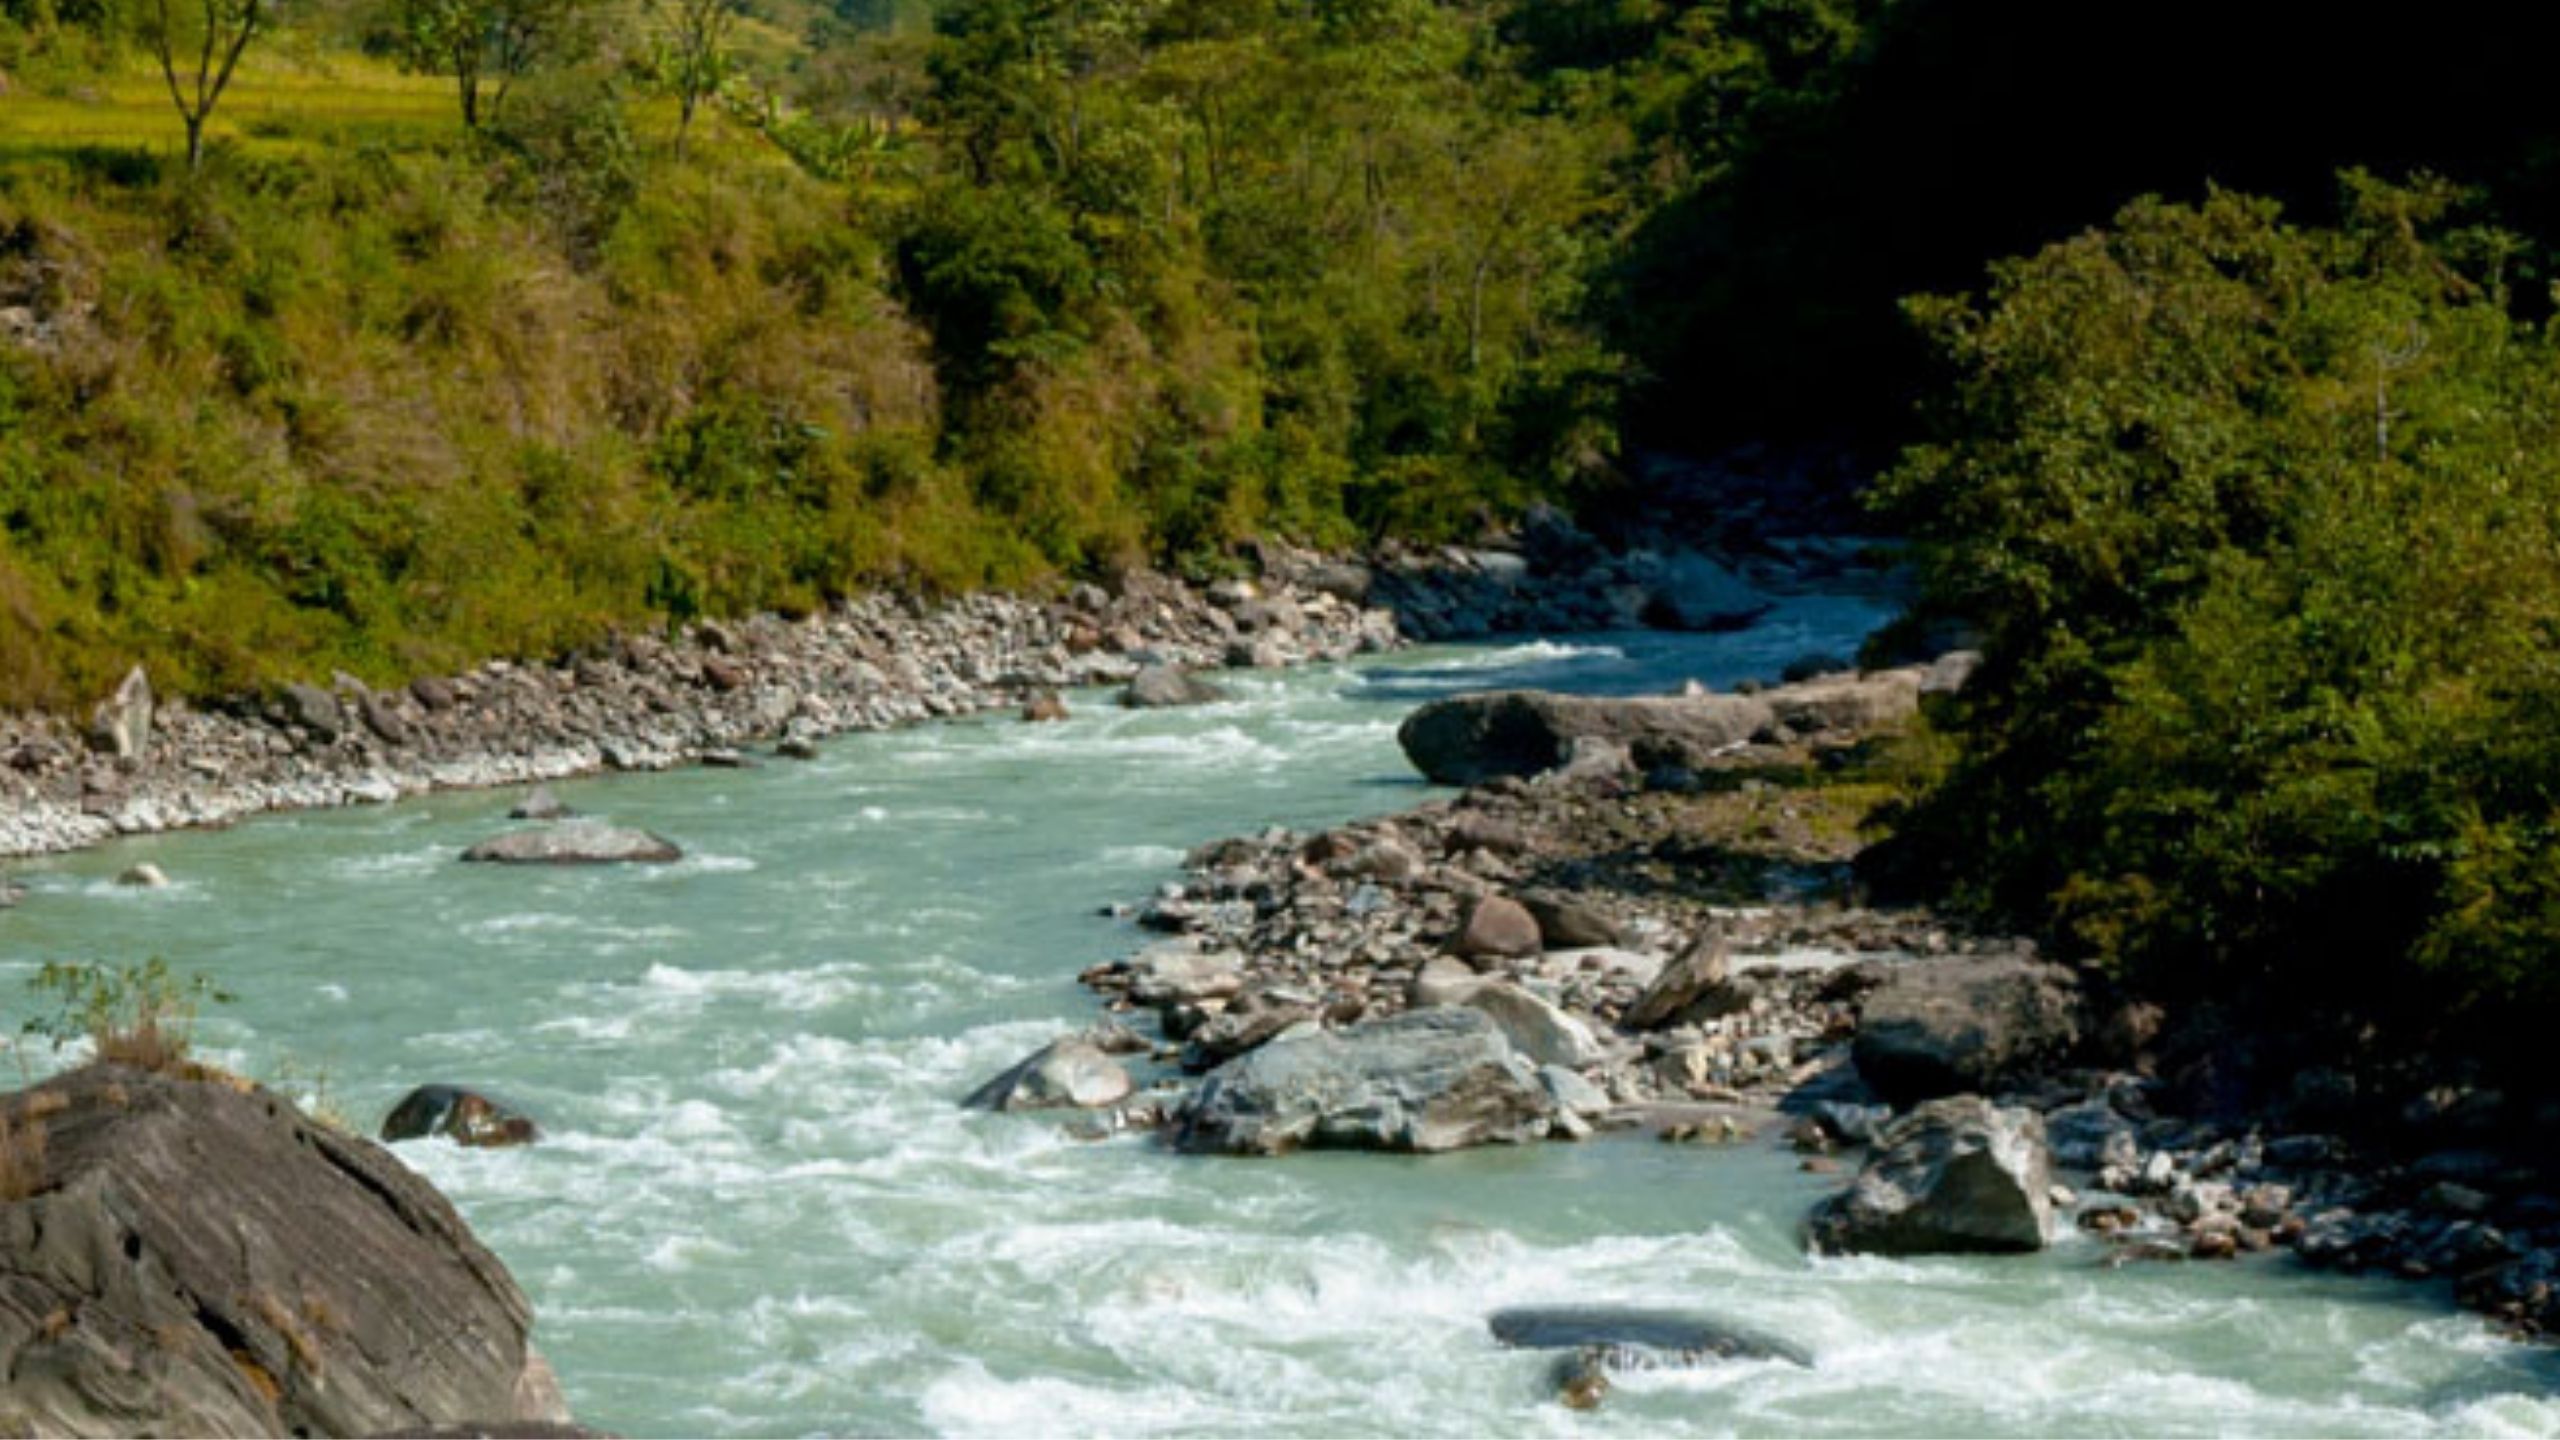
138, 1015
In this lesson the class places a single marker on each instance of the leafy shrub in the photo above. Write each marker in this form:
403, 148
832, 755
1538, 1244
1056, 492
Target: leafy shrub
138, 1015
2262, 527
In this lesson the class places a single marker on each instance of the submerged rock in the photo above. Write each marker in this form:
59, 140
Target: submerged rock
466, 1117
1656, 1338
1426, 1080
540, 804
198, 1258
144, 876
1957, 1175
1073, 1073
575, 842
1599, 1340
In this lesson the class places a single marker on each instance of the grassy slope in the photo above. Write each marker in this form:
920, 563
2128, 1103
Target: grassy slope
373, 397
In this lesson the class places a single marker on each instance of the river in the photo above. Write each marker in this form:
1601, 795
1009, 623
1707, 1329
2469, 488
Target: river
758, 1210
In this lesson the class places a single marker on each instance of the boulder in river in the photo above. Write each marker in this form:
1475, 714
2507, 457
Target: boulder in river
466, 1117
1645, 1338
1162, 687
1044, 707
575, 842
1073, 1073
540, 804
1693, 592
1958, 1175
1597, 1340
1425, 1080
1947, 1026
1470, 739
197, 1257
143, 876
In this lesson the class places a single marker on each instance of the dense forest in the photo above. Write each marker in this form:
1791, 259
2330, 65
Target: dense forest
484, 326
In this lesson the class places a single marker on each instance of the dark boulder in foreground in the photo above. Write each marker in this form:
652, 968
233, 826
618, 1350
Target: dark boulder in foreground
1426, 1080
1954, 1026
196, 1257
1958, 1175
575, 842
466, 1117
1162, 687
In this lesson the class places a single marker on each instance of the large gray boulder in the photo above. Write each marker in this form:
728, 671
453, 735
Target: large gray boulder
1470, 739
1072, 1073
1958, 1175
121, 725
196, 1257
575, 842
1162, 687
1945, 1027
1425, 1080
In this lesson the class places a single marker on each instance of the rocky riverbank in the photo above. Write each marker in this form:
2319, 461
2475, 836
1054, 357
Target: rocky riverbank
1648, 916
141, 763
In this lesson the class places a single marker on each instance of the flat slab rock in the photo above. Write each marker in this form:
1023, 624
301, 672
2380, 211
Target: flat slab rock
199, 1258
575, 842
1441, 1078
1638, 1338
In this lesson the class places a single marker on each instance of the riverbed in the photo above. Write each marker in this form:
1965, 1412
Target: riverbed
759, 1211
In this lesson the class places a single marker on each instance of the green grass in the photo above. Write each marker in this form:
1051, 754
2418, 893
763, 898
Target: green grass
290, 99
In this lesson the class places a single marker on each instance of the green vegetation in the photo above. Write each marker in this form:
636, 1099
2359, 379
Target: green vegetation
2262, 525
139, 1015
712, 305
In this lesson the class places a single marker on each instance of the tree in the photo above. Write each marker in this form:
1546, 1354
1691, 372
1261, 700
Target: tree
219, 32
487, 45
696, 58
2260, 527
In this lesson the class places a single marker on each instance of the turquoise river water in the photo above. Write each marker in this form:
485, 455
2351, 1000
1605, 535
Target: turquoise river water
759, 1211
